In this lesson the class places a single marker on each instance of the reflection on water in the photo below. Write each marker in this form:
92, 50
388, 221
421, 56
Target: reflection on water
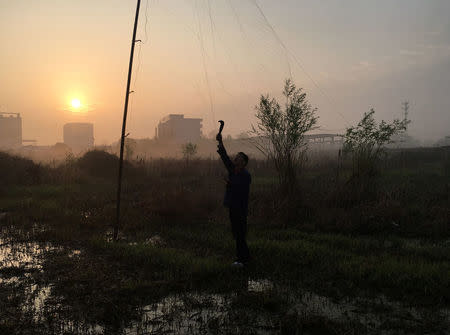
182, 314
261, 285
26, 256
26, 299
18, 261
74, 253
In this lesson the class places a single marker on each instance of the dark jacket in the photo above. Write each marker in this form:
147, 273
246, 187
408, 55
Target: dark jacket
238, 186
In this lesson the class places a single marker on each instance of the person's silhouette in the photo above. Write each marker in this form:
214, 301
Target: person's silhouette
236, 199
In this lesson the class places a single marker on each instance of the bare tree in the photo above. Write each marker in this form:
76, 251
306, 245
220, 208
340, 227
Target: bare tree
280, 132
130, 148
189, 151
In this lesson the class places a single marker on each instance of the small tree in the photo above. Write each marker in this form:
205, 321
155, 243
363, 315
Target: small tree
130, 147
280, 133
189, 150
243, 136
366, 142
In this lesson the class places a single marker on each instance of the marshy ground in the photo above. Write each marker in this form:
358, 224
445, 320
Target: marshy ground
338, 260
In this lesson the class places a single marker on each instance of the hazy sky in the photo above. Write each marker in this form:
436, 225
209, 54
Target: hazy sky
212, 59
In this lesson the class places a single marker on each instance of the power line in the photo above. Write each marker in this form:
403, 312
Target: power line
138, 67
190, 29
146, 21
137, 71
213, 27
295, 58
275, 34
202, 49
243, 32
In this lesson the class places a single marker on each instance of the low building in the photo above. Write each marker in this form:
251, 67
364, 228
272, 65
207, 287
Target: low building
444, 142
324, 138
79, 136
10, 130
177, 128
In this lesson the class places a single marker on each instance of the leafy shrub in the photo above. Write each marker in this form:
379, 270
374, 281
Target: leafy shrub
366, 142
189, 151
18, 170
99, 163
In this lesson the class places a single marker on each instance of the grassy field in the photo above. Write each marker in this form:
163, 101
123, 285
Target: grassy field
334, 260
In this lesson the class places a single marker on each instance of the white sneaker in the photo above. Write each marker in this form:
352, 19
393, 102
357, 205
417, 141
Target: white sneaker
237, 265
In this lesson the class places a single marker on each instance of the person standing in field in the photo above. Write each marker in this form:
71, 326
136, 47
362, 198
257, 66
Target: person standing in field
236, 199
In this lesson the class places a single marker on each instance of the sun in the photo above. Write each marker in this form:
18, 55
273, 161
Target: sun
76, 103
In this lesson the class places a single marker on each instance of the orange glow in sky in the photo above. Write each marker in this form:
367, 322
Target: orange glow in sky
213, 60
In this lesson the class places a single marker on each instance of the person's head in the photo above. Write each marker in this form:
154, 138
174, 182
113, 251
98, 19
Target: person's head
241, 160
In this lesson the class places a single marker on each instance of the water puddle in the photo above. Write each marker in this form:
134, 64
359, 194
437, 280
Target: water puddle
192, 313
258, 286
74, 253
19, 261
247, 310
197, 313
23, 255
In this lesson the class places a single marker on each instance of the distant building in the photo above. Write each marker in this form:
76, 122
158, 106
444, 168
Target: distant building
175, 127
444, 142
324, 138
79, 136
10, 130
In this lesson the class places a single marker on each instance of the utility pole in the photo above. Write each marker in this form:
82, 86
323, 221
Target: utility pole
405, 107
124, 123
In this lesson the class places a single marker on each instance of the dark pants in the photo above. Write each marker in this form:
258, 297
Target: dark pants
238, 220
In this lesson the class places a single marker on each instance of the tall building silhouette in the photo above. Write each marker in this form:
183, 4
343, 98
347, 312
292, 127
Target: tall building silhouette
10, 130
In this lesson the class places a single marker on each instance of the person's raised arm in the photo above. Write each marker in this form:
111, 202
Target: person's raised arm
223, 154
